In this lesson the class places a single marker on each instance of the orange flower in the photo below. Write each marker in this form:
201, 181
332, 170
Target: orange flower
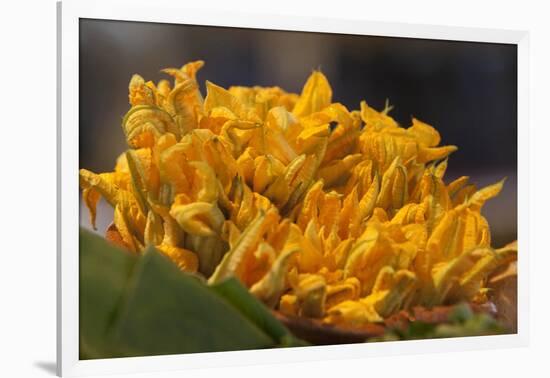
321, 211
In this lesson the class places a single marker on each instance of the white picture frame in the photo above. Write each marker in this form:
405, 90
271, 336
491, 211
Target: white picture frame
69, 13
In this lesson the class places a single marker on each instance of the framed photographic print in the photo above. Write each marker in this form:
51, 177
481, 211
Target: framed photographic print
275, 188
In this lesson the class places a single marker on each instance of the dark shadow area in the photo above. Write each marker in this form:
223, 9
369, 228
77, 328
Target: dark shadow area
48, 366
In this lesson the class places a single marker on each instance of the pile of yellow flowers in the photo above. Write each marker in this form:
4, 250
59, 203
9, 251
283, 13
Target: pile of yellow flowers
320, 211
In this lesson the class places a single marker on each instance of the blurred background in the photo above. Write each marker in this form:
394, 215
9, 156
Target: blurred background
466, 90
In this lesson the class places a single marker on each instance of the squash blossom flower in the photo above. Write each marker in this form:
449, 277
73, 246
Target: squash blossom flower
320, 211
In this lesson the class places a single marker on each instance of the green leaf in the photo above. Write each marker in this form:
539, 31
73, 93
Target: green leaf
134, 305
461, 313
103, 277
170, 312
234, 292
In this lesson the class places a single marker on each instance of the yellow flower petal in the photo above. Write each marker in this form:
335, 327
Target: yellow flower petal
186, 260
316, 95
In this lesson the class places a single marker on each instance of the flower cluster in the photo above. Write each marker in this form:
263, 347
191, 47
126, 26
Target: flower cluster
320, 211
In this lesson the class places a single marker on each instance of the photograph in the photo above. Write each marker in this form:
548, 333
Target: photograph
245, 189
